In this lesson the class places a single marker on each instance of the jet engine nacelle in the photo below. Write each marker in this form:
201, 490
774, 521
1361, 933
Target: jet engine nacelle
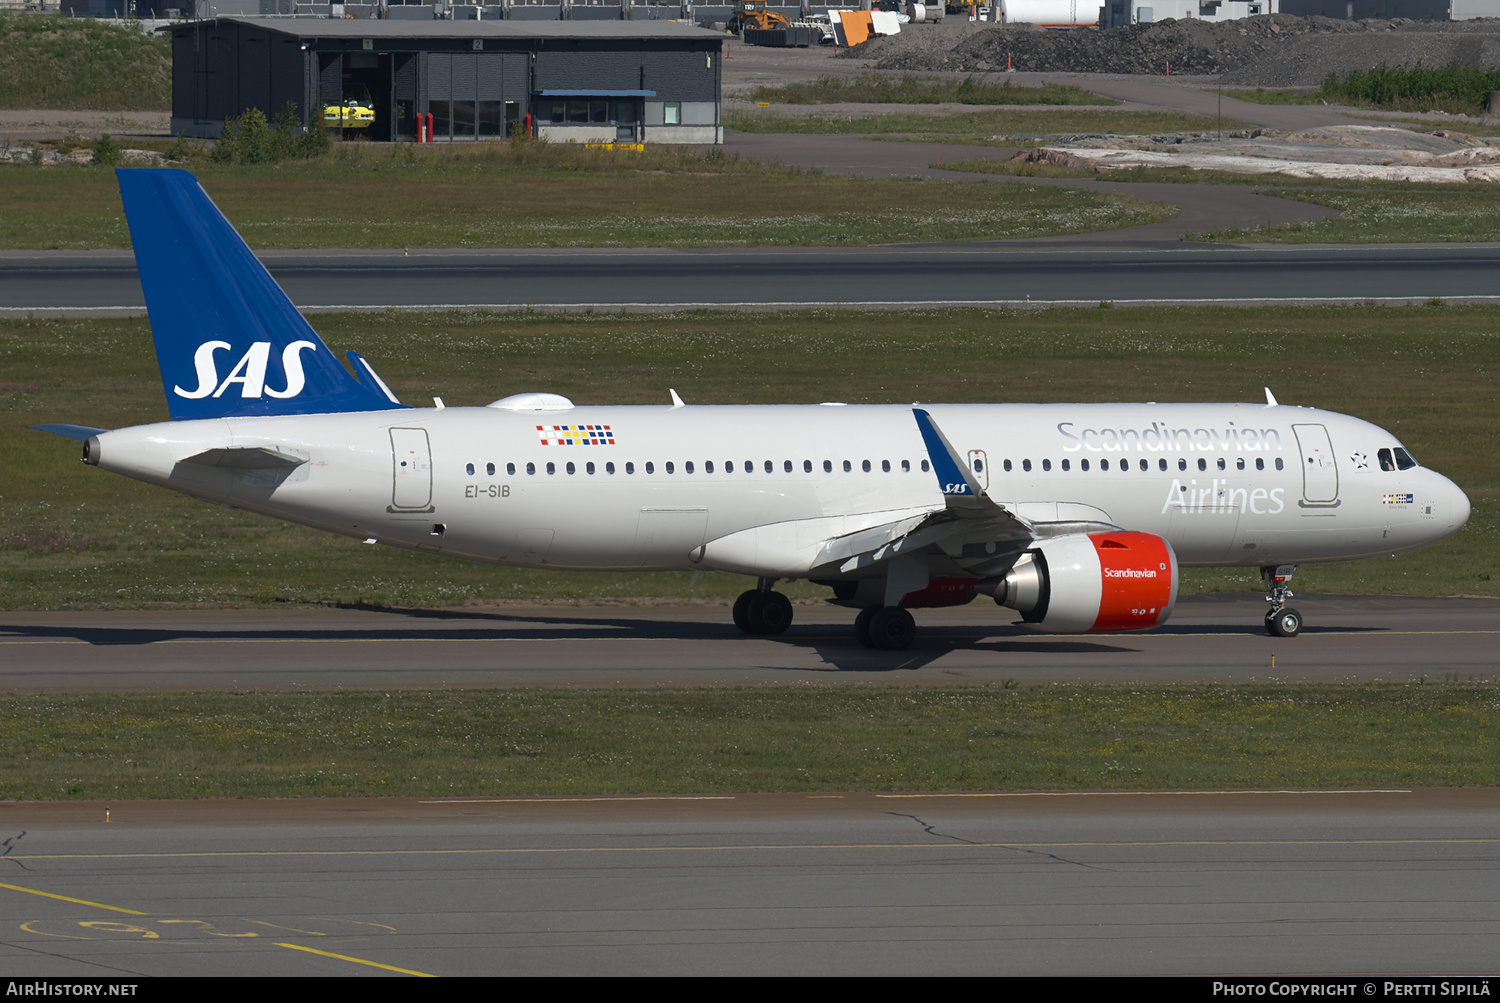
1097, 582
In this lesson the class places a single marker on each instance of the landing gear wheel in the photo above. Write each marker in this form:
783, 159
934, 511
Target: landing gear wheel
862, 626
892, 629
742, 610
769, 613
1285, 622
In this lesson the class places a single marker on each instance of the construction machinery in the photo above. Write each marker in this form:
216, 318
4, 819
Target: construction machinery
753, 14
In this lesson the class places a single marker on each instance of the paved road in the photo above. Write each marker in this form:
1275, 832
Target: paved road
1210, 638
80, 284
1116, 884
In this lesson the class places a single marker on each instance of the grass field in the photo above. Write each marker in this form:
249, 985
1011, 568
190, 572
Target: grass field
77, 537
880, 88
1380, 216
536, 195
508, 742
988, 127
56, 62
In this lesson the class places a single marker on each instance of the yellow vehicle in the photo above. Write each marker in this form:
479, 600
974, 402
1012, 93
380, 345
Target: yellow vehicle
753, 14
349, 115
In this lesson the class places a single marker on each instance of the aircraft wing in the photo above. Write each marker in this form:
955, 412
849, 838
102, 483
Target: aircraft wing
838, 546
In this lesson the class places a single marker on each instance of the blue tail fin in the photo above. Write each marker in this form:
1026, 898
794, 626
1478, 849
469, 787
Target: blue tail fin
228, 340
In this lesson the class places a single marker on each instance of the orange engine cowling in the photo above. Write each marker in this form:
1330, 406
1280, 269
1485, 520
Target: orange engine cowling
1097, 582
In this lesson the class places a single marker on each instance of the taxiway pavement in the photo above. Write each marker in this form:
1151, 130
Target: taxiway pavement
1203, 883
1210, 638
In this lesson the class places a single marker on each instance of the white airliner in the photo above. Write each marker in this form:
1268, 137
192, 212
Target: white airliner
1077, 516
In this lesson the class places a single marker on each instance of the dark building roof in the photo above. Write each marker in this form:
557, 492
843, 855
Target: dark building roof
329, 27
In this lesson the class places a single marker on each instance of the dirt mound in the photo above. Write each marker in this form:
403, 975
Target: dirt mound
1276, 50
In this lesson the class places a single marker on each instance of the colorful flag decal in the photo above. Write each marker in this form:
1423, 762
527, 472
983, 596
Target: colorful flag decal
575, 435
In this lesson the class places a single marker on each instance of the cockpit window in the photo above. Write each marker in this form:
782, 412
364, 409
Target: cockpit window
1395, 459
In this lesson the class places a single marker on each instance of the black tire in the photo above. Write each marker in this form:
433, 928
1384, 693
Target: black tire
862, 626
770, 613
892, 629
1285, 622
742, 610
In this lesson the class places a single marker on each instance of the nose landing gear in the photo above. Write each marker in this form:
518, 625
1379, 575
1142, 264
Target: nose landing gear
1281, 619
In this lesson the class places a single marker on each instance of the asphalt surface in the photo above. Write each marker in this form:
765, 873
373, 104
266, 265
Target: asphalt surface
1206, 884
80, 285
1210, 638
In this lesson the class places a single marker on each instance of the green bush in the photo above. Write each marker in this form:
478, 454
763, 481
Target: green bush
250, 139
1415, 88
107, 152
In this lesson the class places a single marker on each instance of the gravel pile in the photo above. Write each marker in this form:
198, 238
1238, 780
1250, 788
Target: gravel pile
1278, 50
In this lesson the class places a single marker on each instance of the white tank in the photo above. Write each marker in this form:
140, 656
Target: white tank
1050, 13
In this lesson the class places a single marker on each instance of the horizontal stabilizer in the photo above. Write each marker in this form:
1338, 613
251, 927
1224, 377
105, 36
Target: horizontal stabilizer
80, 432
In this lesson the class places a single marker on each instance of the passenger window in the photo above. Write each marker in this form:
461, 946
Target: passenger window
1161, 464
1084, 465
489, 468
531, 468
865, 466
1260, 463
570, 466
468, 467
708, 467
906, 466
1182, 463
669, 468
807, 466
1047, 465
1278, 463
1065, 465
1202, 464
848, 466
1005, 466
1026, 465
769, 467
786, 465
609, 468
510, 468
650, 467
827, 466
926, 466
589, 466
551, 467
1144, 465
1103, 464
688, 466
885, 466
1221, 463
630, 467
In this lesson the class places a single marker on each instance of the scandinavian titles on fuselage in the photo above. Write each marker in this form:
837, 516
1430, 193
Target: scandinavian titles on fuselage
1158, 438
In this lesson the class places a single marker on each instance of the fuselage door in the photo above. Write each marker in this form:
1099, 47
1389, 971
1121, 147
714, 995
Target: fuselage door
1320, 472
411, 461
981, 468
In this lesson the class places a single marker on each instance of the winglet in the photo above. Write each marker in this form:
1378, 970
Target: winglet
229, 342
953, 475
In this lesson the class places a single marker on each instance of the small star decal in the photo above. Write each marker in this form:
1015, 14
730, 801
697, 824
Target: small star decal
1360, 460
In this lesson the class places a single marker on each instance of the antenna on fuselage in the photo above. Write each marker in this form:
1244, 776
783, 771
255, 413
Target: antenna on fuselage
1270, 397
676, 401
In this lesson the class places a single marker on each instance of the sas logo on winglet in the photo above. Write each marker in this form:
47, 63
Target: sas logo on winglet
249, 372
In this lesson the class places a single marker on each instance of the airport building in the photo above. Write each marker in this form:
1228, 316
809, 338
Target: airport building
564, 81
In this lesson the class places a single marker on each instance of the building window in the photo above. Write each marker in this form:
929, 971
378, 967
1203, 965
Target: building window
673, 113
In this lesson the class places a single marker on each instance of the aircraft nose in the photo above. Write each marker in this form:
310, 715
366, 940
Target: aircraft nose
1458, 506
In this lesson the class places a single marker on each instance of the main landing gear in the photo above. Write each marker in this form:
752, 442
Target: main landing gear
1281, 619
885, 628
761, 611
